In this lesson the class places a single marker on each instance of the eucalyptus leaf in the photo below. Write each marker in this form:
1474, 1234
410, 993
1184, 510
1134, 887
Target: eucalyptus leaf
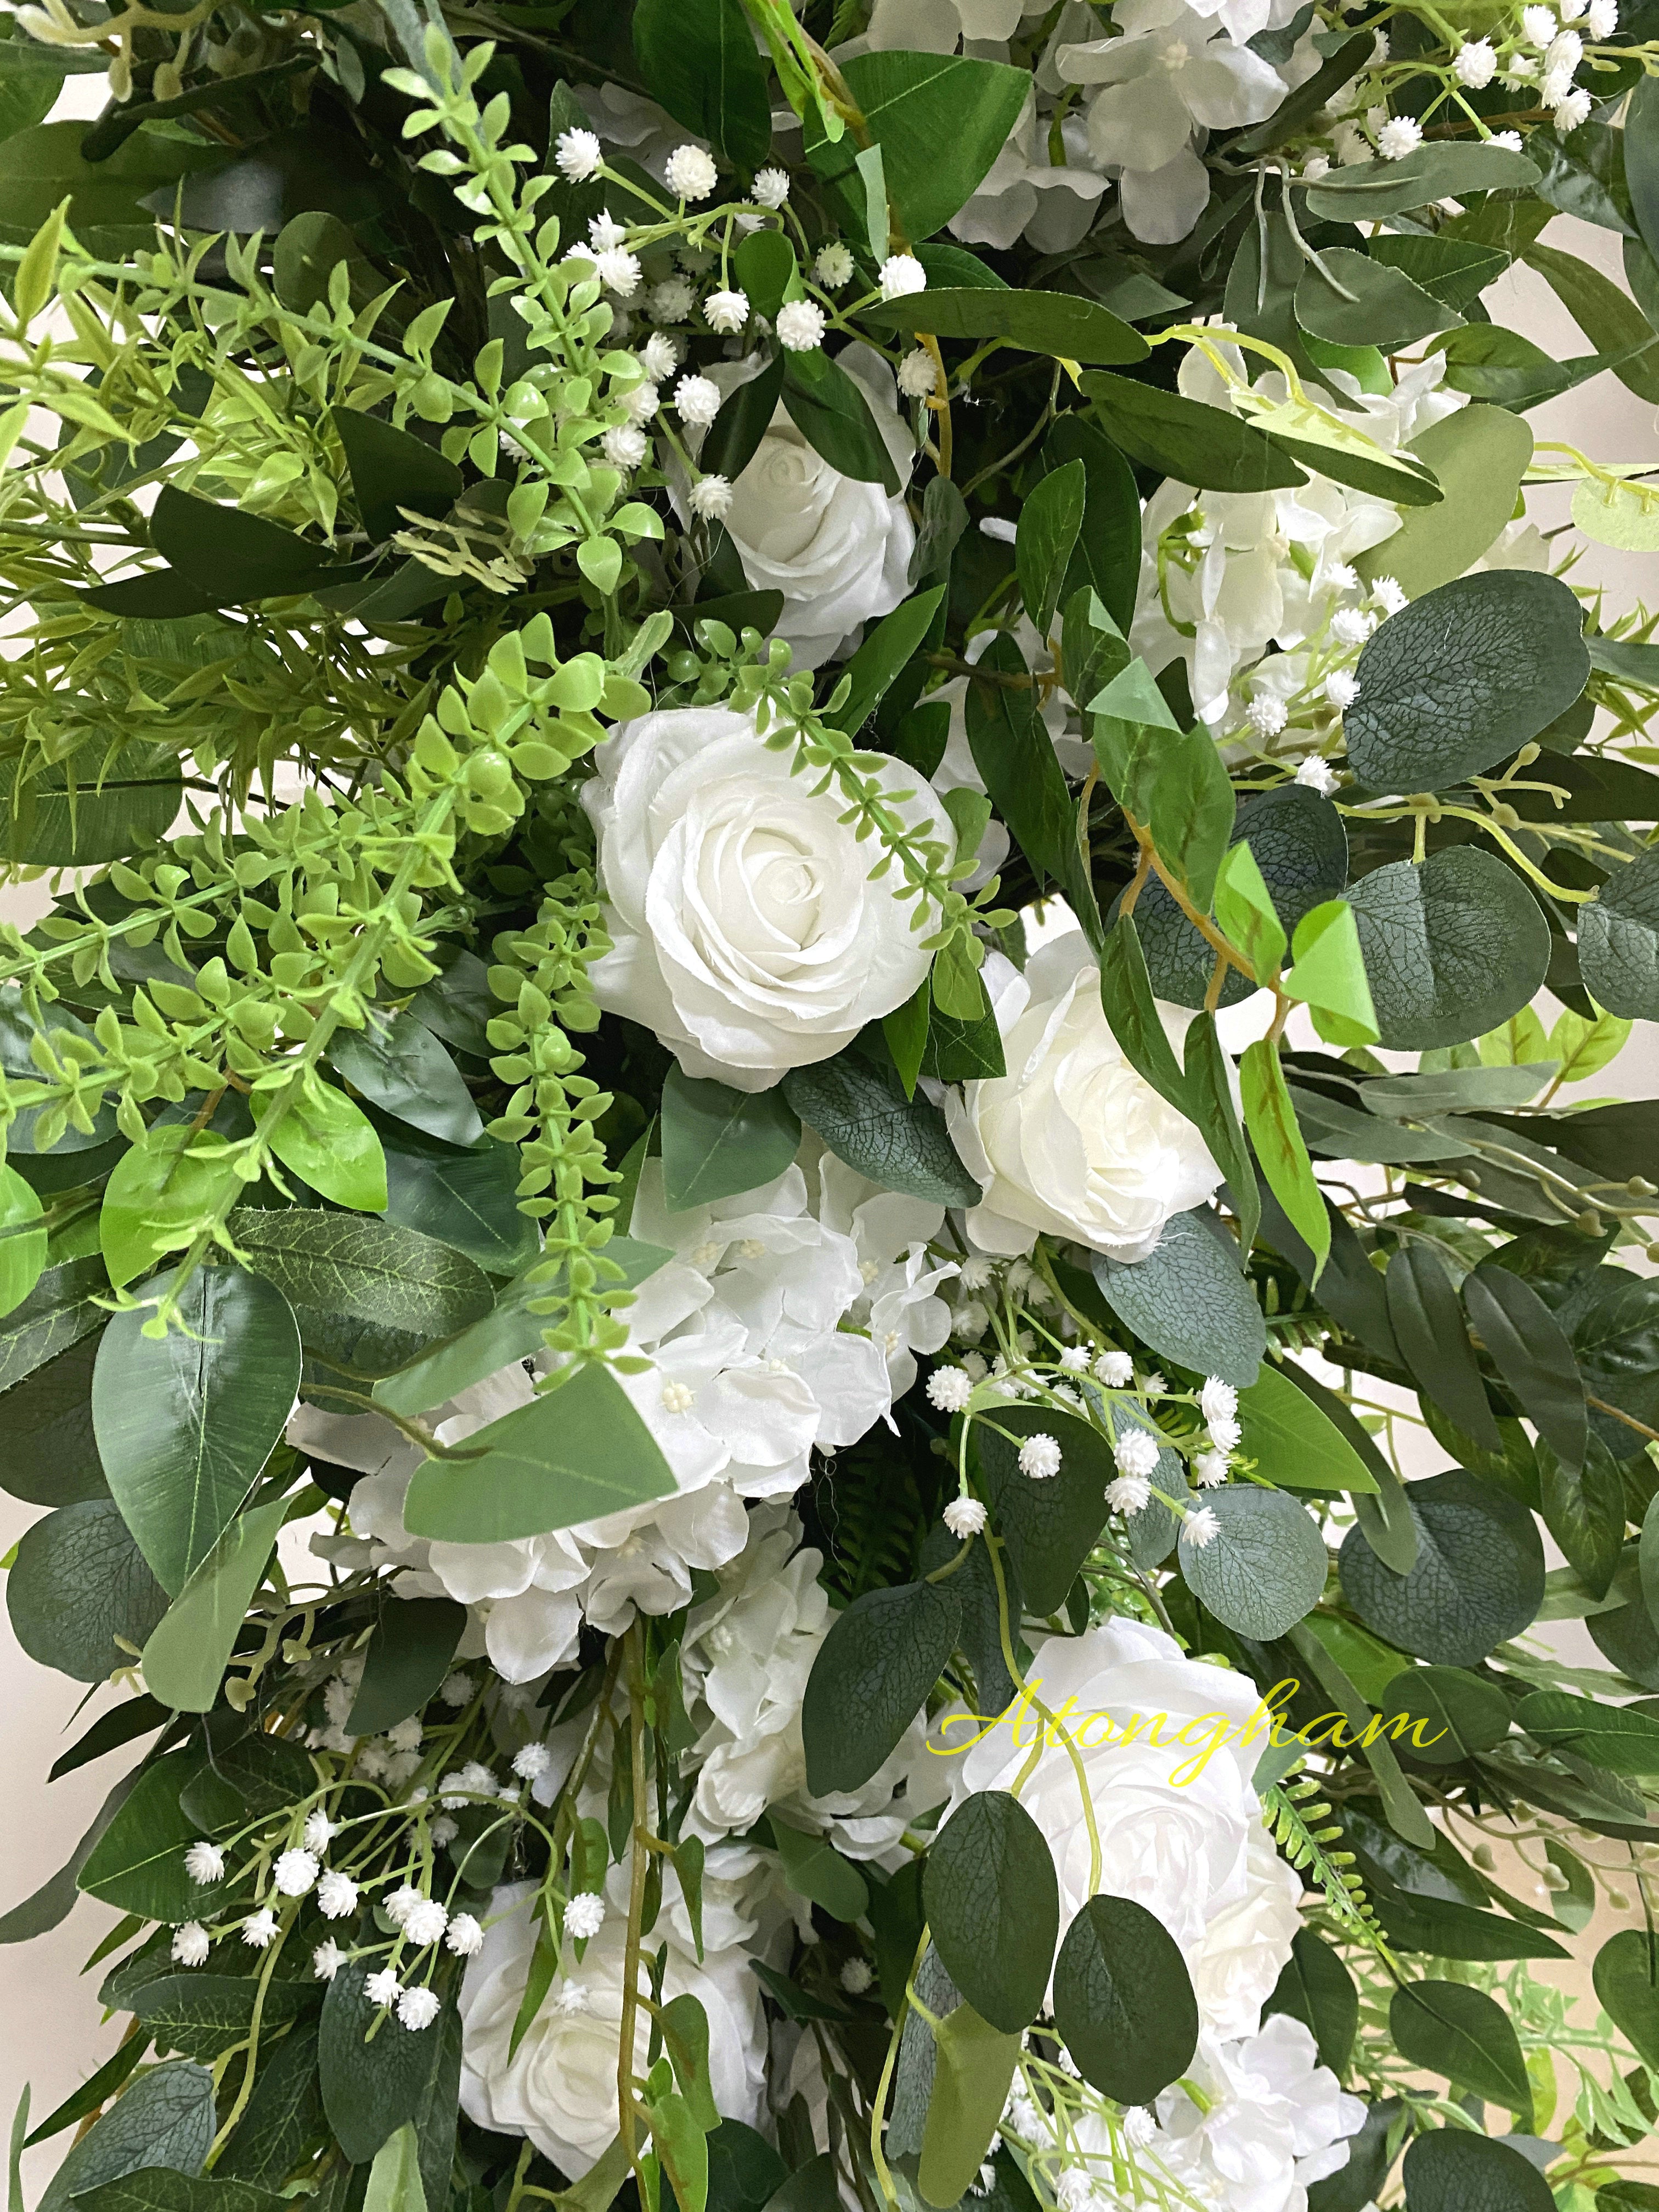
1452, 948
870, 1677
1123, 2001
863, 1117
79, 1581
1265, 1569
993, 1905
1618, 940
1478, 1580
1188, 1300
717, 1142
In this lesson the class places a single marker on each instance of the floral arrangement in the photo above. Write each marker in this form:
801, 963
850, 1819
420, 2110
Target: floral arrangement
806, 775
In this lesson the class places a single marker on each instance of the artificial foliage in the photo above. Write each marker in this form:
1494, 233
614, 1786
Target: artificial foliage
809, 791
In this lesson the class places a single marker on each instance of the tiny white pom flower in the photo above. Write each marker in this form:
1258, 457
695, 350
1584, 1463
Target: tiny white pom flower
293, 1873
579, 155
572, 1999
965, 1518
672, 301
205, 1862
659, 356
856, 1977
1075, 1359
259, 1933
1341, 689
584, 1916
1602, 18
834, 266
1128, 1493
1572, 10
918, 379
603, 231
384, 1988
977, 1272
1266, 714
1218, 1401
974, 1366
418, 2008
1202, 1529
949, 1390
464, 1935
1210, 1469
1401, 135
971, 1320
1139, 2127
191, 1944
697, 400
1475, 63
1040, 1458
1566, 51
1340, 576
1539, 25
426, 1922
336, 1895
690, 174
327, 1960
1224, 1432
1315, 167
401, 1903
900, 275
1508, 140
800, 326
711, 497
772, 187
320, 1831
1154, 1385
1571, 111
642, 402
1389, 594
618, 270
1022, 2116
444, 1831
1317, 774
624, 446
1116, 1369
1136, 1451
531, 1762
1379, 49
1352, 625
1521, 70
727, 312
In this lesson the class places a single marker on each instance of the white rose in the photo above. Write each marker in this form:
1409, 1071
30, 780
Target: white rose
1180, 1830
560, 2088
838, 549
746, 928
1072, 1140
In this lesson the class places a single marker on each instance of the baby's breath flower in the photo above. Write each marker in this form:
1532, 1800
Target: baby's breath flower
1475, 63
327, 1960
918, 379
800, 326
531, 1761
900, 275
949, 1390
1116, 1369
1128, 1493
697, 400
464, 1935
660, 357
624, 446
771, 187
727, 312
426, 1922
834, 266
672, 301
1317, 774
584, 1916
260, 1931
711, 497
1401, 135
383, 1988
965, 1518
690, 174
205, 1862
318, 1831
618, 270
336, 1895
579, 155
191, 1944
1040, 1458
1202, 1529
418, 2008
1075, 1359
293, 1873
855, 1976
1136, 1451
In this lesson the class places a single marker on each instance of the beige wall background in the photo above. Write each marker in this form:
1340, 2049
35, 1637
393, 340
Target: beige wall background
51, 2035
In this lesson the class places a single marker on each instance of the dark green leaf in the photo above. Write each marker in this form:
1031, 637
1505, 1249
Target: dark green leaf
283, 2114
814, 1869
764, 267
166, 2118
1317, 1988
699, 59
1057, 323
1107, 558
1584, 1511
1616, 1737
573, 1454
370, 2087
1452, 948
1406, 1816
1208, 1075
392, 469
1265, 1570
185, 1425
122, 1723
1048, 525
1185, 439
1447, 2028
78, 1582
52, 1454
940, 121
1618, 941
1049, 1524
1458, 680
249, 1777
734, 439
1626, 1976
1384, 1518
230, 553
58, 1312
1453, 2170
1641, 148
1478, 1577
137, 1865
1016, 759
1271, 1120
80, 814
408, 1656
339, 1263
1187, 1301
743, 2170
1433, 1341
1124, 2002
993, 1907
43, 164
396, 1062
202, 2014
1387, 309
889, 648
1132, 1014
93, 2093
1449, 1714
869, 1679
1439, 170
863, 1117
1192, 813
467, 1201
832, 414
717, 1142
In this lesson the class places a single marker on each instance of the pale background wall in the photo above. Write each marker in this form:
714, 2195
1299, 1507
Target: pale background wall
50, 2030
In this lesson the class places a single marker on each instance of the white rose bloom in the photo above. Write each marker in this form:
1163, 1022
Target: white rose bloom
1072, 1140
837, 549
1180, 1833
1169, 79
746, 1655
746, 929
560, 2088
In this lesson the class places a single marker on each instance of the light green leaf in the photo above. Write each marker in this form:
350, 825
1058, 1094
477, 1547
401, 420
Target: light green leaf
394, 2179
1271, 1120
973, 2066
1479, 456
330, 1142
1293, 1443
22, 1258
159, 1189
1244, 908
185, 1658
814, 1869
1329, 975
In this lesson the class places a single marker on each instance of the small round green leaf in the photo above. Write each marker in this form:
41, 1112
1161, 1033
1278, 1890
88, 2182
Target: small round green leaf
1266, 1568
1478, 1577
1452, 948
78, 1582
1454, 2170
1124, 2001
1618, 941
871, 1676
993, 1906
1189, 1301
